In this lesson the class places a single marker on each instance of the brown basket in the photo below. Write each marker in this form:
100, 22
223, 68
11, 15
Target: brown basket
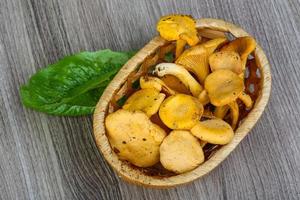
135, 175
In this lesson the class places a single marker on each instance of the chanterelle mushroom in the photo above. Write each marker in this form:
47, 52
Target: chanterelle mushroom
243, 46
220, 111
212, 45
195, 59
214, 131
234, 111
156, 83
181, 28
134, 137
203, 97
180, 111
175, 84
181, 73
181, 152
223, 86
246, 99
226, 60
146, 100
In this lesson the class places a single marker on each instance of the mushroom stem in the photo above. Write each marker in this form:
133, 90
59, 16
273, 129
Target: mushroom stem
191, 38
180, 44
203, 97
246, 99
234, 112
220, 111
181, 73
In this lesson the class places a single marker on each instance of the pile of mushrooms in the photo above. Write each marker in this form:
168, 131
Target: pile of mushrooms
191, 96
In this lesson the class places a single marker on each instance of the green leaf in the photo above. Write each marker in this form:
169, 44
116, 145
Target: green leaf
73, 86
169, 57
121, 101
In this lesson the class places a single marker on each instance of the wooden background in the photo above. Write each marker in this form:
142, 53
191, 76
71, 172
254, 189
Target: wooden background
45, 157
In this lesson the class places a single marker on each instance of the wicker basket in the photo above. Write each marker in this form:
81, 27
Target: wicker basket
134, 175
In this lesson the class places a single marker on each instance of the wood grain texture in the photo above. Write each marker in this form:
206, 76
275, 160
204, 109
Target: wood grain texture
45, 157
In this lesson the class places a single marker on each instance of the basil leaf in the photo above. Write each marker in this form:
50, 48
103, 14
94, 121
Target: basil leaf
73, 86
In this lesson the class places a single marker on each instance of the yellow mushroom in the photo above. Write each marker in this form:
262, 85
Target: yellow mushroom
180, 111
146, 100
246, 99
175, 84
147, 82
226, 60
234, 112
181, 28
212, 45
214, 131
223, 86
180, 45
180, 152
181, 73
243, 46
134, 137
195, 59
220, 111
203, 97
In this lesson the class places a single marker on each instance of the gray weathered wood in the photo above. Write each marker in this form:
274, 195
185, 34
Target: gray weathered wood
46, 157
